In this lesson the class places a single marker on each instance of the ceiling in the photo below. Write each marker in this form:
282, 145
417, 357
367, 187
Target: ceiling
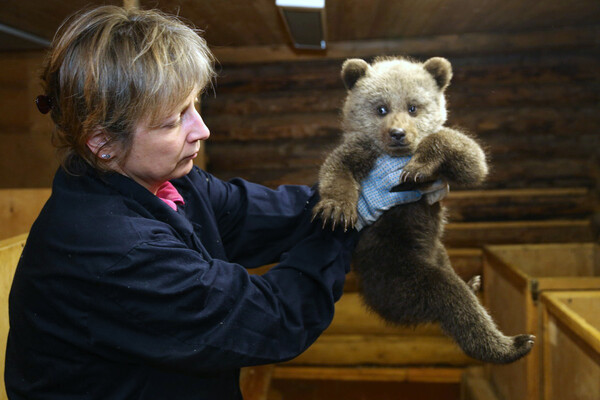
239, 23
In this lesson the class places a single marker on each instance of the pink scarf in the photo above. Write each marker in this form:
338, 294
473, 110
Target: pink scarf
169, 195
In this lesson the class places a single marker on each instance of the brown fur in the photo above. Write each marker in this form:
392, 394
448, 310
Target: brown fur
396, 106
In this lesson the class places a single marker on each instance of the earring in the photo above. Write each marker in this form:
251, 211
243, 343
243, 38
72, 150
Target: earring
105, 156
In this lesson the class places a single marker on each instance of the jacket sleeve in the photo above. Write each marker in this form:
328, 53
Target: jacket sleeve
166, 305
257, 224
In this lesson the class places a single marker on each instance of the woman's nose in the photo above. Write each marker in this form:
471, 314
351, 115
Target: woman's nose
198, 129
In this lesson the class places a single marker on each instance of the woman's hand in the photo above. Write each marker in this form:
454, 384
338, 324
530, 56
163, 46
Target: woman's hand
376, 196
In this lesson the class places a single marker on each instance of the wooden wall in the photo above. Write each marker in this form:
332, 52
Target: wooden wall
28, 159
536, 109
532, 98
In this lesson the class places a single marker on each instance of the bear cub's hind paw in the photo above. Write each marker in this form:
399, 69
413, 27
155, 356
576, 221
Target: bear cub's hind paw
522, 345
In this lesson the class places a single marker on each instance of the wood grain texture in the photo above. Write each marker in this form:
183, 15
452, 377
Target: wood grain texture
10, 252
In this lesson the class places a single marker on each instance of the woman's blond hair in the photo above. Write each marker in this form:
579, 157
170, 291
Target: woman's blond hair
111, 68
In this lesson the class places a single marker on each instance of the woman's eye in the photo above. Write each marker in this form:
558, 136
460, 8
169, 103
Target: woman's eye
412, 109
382, 110
171, 124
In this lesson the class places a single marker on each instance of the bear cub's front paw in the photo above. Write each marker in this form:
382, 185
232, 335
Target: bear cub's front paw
417, 172
336, 212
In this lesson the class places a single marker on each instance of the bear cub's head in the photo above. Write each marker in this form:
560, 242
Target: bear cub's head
396, 101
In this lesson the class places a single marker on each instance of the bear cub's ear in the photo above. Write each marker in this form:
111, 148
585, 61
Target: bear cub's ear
352, 70
440, 69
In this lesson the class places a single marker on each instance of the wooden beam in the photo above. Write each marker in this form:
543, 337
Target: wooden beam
472, 43
377, 374
131, 4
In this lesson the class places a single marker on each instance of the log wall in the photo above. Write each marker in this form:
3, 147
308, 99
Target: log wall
532, 98
536, 109
28, 158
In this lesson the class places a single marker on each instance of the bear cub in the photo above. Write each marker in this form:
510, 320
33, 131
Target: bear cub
396, 106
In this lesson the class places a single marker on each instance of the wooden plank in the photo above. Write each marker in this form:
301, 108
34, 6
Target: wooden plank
291, 389
295, 160
583, 322
382, 350
554, 173
545, 261
503, 132
255, 382
518, 204
10, 252
571, 345
475, 386
508, 271
377, 374
272, 127
483, 98
526, 94
475, 234
274, 102
19, 208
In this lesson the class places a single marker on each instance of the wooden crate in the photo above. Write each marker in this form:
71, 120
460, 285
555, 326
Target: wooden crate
10, 252
514, 277
571, 345
475, 386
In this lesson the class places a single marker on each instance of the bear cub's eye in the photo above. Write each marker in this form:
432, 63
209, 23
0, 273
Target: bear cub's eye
382, 110
412, 109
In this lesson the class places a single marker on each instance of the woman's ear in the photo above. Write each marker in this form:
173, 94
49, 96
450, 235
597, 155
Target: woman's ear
96, 144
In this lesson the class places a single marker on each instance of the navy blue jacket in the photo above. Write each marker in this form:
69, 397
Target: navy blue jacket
117, 296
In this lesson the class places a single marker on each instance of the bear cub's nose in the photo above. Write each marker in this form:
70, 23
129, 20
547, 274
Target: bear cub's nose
398, 135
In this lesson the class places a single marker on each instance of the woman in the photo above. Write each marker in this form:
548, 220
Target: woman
133, 282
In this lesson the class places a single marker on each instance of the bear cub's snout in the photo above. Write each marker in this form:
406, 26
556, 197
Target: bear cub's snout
398, 136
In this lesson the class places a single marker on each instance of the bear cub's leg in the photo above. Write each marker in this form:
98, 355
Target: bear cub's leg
462, 317
406, 286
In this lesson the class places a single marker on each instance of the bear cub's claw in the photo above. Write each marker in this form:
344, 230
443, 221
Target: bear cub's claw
475, 283
336, 213
523, 344
417, 172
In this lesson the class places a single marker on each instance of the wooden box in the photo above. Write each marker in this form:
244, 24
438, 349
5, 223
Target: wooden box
571, 345
514, 277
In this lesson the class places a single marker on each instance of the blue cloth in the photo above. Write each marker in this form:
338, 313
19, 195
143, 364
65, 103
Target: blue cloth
117, 296
375, 196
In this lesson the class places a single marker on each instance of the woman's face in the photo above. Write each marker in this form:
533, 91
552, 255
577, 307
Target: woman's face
167, 151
